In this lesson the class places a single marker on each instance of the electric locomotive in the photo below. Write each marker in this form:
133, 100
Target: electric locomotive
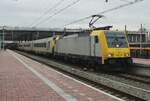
114, 47
98, 47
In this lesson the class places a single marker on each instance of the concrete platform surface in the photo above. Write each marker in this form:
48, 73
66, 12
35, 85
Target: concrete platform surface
142, 61
23, 79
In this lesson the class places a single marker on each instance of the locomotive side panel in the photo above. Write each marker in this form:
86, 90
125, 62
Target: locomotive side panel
74, 45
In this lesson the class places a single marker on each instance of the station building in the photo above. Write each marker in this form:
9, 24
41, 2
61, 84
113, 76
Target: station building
137, 37
139, 43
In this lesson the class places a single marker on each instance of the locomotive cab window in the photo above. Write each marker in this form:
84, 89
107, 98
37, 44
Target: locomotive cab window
116, 40
96, 39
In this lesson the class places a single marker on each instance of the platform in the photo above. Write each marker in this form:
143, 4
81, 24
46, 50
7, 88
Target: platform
142, 61
23, 79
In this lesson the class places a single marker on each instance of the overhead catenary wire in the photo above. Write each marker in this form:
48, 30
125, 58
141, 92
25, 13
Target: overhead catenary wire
57, 12
47, 11
105, 11
125, 0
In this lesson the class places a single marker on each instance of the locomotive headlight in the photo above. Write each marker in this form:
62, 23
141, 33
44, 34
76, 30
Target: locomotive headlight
126, 54
117, 45
109, 55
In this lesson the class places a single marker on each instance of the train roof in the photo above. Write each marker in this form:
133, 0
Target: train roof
44, 39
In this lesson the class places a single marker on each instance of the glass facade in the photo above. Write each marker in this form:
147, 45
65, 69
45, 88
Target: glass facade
137, 37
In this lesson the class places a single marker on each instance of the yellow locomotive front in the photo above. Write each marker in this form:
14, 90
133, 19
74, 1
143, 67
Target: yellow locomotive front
115, 48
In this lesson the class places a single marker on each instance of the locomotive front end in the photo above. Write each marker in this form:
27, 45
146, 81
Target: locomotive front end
118, 51
117, 48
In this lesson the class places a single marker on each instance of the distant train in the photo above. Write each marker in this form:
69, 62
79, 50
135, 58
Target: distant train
140, 50
97, 47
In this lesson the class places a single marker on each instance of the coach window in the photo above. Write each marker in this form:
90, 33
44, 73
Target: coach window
96, 39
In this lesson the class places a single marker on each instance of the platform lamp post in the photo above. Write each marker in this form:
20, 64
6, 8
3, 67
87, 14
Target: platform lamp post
37, 35
126, 31
141, 39
0, 41
3, 37
12, 34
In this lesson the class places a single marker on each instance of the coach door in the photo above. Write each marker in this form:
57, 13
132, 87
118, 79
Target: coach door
48, 45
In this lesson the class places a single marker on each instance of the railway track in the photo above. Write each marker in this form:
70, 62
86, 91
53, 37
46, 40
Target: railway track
122, 85
137, 78
129, 80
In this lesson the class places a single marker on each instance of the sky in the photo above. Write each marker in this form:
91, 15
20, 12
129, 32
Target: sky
31, 13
